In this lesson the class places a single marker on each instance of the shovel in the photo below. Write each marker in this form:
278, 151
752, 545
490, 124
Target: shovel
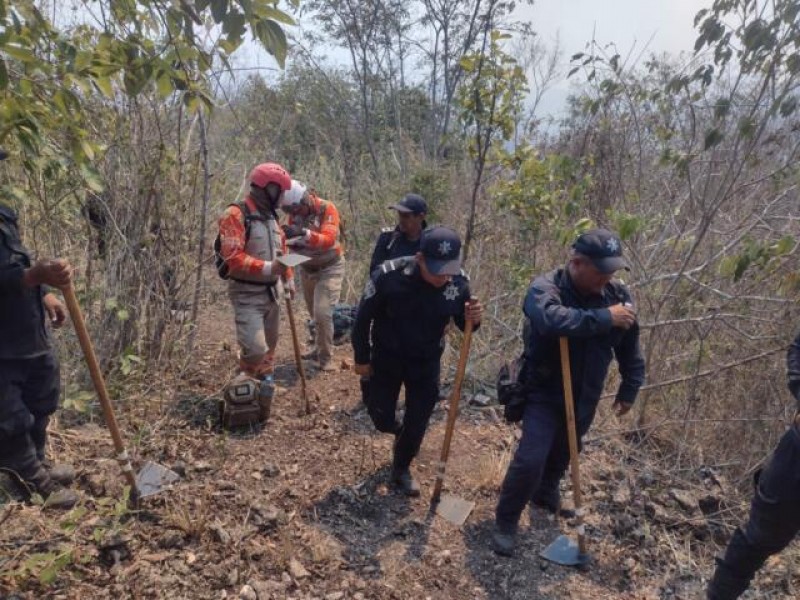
292, 260
452, 508
297, 359
153, 477
563, 550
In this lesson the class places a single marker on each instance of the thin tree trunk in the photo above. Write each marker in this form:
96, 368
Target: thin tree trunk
201, 233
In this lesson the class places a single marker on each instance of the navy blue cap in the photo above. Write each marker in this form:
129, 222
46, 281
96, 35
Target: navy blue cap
441, 247
3, 154
411, 203
603, 248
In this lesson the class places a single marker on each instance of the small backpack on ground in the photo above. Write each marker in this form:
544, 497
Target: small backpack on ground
241, 406
249, 217
344, 315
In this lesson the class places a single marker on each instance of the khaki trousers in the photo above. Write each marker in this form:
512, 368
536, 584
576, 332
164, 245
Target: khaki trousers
321, 290
257, 326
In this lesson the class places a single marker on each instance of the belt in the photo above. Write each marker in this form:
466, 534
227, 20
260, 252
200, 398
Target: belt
318, 268
263, 283
269, 285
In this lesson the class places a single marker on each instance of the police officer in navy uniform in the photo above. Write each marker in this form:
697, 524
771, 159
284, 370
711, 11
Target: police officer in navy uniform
594, 311
774, 511
398, 339
29, 373
403, 240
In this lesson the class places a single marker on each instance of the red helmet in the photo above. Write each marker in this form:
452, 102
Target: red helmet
266, 173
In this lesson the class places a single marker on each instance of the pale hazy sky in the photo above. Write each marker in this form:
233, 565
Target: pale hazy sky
668, 22
635, 26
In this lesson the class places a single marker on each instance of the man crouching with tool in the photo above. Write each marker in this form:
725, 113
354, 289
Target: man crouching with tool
582, 303
407, 304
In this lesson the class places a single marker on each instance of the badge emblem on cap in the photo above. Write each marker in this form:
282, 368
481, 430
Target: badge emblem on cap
451, 291
444, 248
612, 244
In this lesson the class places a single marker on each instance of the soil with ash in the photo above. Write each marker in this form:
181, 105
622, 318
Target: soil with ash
303, 509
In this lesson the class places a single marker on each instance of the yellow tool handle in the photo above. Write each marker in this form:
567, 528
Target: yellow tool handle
575, 470
452, 413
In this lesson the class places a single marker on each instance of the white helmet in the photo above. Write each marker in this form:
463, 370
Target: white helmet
294, 195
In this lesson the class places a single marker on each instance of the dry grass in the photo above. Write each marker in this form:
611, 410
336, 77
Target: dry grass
192, 518
492, 468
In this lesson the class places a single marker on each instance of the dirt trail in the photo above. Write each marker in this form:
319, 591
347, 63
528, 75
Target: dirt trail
302, 509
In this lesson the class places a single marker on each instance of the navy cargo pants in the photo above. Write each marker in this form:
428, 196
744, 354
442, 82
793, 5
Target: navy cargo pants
29, 390
540, 461
421, 381
774, 521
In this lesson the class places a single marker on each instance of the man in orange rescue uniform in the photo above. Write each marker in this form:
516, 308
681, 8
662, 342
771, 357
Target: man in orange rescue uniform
250, 242
313, 230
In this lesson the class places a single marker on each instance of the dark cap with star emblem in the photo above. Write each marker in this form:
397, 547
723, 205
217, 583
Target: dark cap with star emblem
411, 203
603, 248
441, 247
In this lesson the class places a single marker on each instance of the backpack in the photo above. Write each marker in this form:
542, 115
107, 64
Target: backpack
241, 405
249, 217
344, 315
511, 383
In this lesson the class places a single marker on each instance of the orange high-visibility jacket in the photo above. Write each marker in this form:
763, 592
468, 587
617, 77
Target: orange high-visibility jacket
323, 244
233, 240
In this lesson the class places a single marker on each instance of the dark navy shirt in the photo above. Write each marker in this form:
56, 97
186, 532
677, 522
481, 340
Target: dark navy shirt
793, 369
401, 316
23, 333
556, 309
392, 243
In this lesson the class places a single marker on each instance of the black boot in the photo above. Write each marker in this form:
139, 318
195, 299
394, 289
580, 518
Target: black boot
402, 478
18, 459
736, 569
63, 474
54, 494
504, 541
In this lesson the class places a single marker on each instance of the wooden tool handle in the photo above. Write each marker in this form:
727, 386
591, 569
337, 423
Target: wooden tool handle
574, 461
297, 358
452, 413
99, 383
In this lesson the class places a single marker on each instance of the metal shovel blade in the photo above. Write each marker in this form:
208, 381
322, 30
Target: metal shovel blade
454, 509
154, 478
292, 260
564, 551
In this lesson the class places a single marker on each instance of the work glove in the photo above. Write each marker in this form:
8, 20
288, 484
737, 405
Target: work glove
299, 241
293, 231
